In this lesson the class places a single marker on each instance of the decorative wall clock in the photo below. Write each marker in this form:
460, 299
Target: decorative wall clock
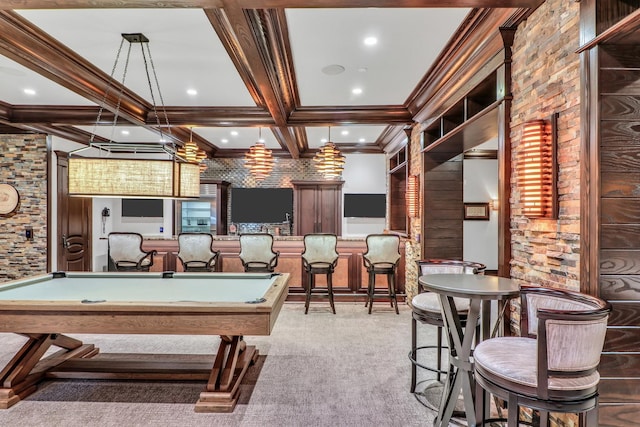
9, 199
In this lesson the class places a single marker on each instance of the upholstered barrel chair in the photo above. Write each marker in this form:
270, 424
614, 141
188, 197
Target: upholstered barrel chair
552, 366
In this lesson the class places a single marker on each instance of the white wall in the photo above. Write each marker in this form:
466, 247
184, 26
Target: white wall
364, 173
149, 227
481, 237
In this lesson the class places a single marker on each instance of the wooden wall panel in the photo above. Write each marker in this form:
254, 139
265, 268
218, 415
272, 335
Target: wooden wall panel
619, 391
619, 228
443, 207
620, 184
615, 415
623, 340
624, 314
623, 287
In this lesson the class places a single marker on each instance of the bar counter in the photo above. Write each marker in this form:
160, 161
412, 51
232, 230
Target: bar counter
349, 279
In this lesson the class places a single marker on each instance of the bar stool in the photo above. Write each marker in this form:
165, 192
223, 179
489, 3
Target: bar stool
195, 252
382, 256
126, 254
319, 257
257, 254
426, 310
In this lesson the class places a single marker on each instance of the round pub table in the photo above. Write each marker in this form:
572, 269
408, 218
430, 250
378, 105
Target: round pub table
480, 290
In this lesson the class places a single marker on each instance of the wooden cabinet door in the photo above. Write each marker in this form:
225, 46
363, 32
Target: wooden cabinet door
306, 212
318, 207
328, 210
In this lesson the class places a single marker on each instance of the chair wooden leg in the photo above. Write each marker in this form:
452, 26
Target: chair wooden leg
544, 418
590, 419
414, 356
439, 355
480, 404
372, 286
330, 289
512, 420
308, 296
391, 283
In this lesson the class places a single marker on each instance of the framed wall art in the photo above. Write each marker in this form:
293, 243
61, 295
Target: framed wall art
476, 211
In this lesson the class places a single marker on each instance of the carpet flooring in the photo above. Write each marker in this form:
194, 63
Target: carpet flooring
320, 369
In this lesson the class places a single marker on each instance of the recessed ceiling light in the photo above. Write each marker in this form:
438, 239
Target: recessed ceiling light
125, 132
192, 92
371, 41
363, 69
356, 91
344, 132
29, 91
332, 70
234, 133
224, 140
361, 140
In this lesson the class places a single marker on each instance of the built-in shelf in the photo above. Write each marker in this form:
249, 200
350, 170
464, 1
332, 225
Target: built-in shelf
398, 170
471, 105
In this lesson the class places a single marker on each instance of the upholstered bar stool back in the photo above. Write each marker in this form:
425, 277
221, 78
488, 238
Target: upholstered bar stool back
381, 257
126, 253
195, 252
319, 257
257, 254
426, 310
552, 366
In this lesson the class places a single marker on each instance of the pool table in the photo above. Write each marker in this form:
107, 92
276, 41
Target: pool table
45, 307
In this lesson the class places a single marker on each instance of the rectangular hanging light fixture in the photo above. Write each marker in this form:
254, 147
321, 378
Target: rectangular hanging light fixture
140, 170
129, 177
536, 169
413, 196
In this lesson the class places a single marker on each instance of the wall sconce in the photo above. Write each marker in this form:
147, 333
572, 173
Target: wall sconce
413, 196
494, 204
536, 169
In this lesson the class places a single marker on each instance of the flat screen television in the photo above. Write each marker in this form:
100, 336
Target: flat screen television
365, 205
143, 208
261, 204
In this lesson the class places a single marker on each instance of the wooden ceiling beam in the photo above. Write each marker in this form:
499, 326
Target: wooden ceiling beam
28, 45
347, 115
260, 55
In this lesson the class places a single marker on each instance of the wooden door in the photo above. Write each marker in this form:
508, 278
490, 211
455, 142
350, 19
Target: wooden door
74, 224
329, 208
306, 214
318, 207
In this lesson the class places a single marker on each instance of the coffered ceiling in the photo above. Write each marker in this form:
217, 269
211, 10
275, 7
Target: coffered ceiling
229, 72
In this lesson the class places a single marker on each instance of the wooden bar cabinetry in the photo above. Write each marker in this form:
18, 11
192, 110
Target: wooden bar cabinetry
349, 279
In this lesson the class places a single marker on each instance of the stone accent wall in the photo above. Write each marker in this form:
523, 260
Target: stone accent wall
546, 80
413, 250
23, 164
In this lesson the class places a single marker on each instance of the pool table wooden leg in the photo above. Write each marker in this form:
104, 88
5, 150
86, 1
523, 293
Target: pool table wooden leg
230, 365
20, 377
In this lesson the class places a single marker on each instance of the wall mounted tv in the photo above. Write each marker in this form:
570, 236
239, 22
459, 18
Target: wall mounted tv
261, 204
365, 205
143, 208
